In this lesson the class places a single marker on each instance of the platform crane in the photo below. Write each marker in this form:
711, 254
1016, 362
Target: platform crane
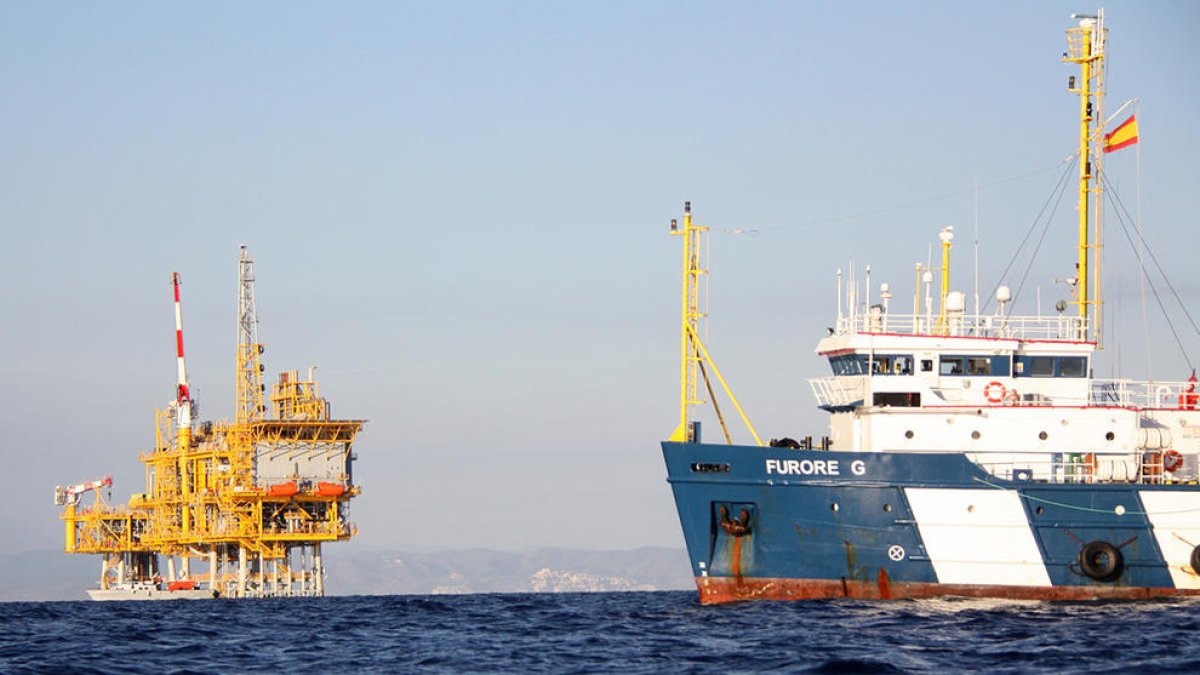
69, 496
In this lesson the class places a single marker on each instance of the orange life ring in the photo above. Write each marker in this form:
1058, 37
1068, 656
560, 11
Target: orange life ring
994, 392
1172, 461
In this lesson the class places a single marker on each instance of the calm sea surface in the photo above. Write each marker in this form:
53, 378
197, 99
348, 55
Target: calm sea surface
604, 632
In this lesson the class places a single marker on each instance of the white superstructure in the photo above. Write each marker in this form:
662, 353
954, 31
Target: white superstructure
1016, 393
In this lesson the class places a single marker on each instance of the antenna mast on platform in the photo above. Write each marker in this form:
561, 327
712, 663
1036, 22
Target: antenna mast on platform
249, 395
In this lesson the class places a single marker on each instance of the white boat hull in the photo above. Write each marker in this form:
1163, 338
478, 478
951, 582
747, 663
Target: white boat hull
150, 594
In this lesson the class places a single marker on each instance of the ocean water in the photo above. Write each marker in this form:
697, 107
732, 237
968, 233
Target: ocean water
596, 632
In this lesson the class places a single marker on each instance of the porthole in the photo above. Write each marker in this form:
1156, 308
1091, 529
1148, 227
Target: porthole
834, 507
975, 435
1039, 510
887, 508
1043, 435
1110, 436
971, 508
908, 434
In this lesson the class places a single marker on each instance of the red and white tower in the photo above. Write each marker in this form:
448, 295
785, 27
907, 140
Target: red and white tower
183, 396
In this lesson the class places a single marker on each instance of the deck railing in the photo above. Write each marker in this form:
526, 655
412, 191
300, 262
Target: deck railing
1145, 468
847, 390
1059, 327
1145, 394
839, 392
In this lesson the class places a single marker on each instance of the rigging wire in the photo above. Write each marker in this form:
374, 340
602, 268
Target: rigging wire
1037, 249
1059, 189
754, 231
1122, 215
1174, 293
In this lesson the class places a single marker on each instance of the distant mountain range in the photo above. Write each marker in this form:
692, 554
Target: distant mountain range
548, 570
53, 575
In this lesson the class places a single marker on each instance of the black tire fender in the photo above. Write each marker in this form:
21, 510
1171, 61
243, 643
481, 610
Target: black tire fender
1102, 561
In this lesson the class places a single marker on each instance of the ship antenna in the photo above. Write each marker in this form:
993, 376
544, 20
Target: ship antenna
1085, 47
976, 245
693, 353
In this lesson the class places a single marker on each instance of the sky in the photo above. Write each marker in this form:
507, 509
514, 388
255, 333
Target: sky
459, 212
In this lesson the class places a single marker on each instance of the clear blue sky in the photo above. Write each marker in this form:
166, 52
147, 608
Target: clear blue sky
459, 212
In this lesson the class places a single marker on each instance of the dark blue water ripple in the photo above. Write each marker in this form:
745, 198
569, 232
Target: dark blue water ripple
605, 632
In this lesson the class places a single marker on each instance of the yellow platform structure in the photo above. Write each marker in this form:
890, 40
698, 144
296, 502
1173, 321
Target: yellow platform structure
239, 508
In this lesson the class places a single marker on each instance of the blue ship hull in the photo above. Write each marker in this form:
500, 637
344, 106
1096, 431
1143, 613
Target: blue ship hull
774, 523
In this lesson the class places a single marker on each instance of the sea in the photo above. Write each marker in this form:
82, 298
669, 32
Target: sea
635, 632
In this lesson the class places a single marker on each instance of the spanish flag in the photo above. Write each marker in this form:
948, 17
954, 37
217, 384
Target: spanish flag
1126, 134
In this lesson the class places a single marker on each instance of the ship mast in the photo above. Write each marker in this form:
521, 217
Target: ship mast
1085, 46
693, 354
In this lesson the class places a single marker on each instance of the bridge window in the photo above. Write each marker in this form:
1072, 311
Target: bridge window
848, 364
892, 364
1072, 366
953, 365
976, 365
979, 365
1040, 366
1051, 366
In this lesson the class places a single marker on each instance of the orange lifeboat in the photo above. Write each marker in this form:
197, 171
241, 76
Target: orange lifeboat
283, 489
330, 489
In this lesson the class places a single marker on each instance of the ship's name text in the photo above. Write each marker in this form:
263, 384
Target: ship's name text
813, 467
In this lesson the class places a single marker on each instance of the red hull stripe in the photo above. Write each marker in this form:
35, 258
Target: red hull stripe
717, 590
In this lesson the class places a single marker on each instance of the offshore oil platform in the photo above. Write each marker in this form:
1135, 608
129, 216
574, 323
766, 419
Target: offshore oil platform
236, 509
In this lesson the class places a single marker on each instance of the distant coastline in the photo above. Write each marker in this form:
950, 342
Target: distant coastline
52, 575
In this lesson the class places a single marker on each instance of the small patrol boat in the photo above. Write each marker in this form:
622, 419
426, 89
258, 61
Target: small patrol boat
153, 590
968, 454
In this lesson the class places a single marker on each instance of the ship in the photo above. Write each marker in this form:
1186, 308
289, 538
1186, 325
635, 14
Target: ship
969, 454
154, 590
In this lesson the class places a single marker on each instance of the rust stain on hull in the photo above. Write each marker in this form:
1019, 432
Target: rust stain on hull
717, 590
736, 562
885, 585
